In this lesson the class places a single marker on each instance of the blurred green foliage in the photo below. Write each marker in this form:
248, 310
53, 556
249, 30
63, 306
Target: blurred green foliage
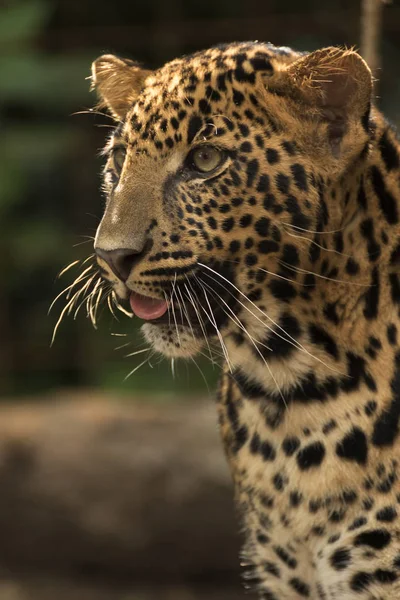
49, 163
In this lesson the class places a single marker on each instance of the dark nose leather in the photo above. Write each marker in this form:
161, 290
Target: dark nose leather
120, 261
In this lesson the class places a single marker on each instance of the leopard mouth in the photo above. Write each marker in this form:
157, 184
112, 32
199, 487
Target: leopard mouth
200, 309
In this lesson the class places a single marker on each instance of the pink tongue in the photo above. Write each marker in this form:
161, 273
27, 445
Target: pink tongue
147, 308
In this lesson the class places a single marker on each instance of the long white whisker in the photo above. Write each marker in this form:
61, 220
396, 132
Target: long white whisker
138, 367
67, 268
198, 315
292, 341
255, 343
214, 323
136, 351
299, 270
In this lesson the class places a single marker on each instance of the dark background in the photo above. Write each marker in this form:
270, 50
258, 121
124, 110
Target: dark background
50, 169
111, 489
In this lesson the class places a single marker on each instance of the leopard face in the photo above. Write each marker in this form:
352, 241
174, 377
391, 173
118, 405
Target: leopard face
213, 181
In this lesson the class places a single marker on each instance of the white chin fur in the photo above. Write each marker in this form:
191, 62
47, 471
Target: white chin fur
166, 340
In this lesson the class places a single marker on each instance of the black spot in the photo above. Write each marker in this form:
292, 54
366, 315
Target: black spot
311, 456
340, 559
300, 177
251, 260
280, 289
372, 296
261, 63
386, 427
263, 183
195, 124
238, 97
387, 514
392, 334
282, 183
385, 576
285, 557
272, 156
361, 581
290, 258
395, 256
280, 341
352, 267
389, 153
289, 147
267, 246
221, 82
394, 287
375, 538
290, 445
241, 437
321, 338
357, 523
329, 426
330, 312
251, 171
370, 407
267, 451
246, 147
245, 220
295, 498
387, 202
271, 568
249, 388
367, 231
228, 224
279, 482
262, 226
353, 446
300, 586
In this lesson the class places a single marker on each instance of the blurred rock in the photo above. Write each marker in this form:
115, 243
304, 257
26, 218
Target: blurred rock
95, 487
32, 589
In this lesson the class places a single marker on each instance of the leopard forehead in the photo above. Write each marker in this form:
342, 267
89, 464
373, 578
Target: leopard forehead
199, 84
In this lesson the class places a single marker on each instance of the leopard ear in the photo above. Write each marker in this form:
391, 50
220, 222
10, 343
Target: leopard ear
333, 84
117, 82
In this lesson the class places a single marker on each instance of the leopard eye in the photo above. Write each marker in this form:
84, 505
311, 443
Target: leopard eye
206, 158
119, 158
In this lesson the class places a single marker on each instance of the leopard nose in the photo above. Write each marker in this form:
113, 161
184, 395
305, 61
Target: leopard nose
120, 261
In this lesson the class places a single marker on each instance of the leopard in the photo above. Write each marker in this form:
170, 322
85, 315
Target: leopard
252, 206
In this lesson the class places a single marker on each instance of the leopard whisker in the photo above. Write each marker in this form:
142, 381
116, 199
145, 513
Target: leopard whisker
168, 301
66, 291
122, 345
285, 223
255, 343
82, 291
182, 304
173, 312
201, 373
173, 368
120, 307
198, 314
301, 237
305, 271
136, 351
292, 341
110, 306
214, 324
67, 268
147, 359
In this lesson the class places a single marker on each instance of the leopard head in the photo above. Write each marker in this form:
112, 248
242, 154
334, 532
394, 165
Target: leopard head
221, 169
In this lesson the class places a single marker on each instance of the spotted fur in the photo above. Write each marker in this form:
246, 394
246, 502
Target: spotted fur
287, 256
